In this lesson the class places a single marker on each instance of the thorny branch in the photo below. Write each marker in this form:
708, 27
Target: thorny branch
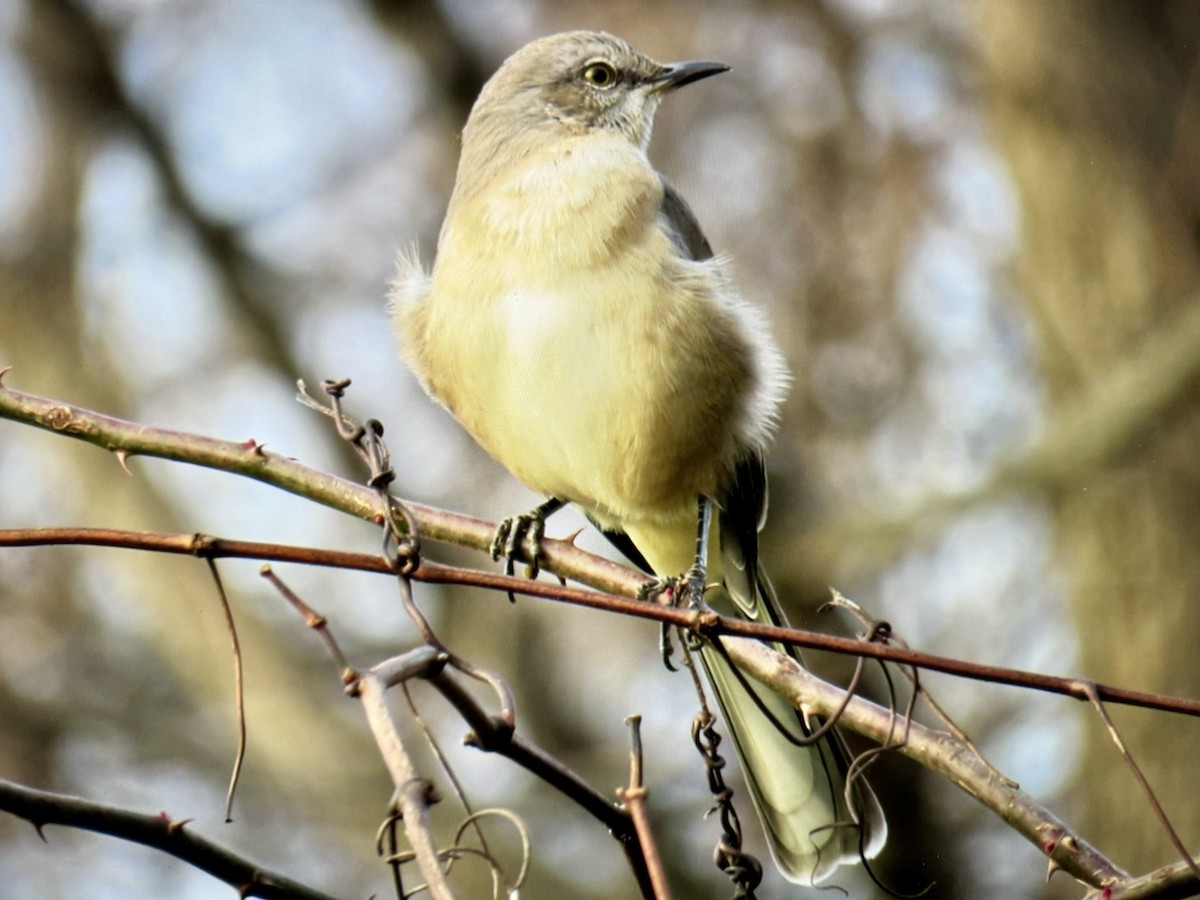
252, 460
42, 808
580, 561
489, 732
941, 752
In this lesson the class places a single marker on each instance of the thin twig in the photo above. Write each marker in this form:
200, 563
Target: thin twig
1161, 813
634, 800
239, 689
313, 620
842, 602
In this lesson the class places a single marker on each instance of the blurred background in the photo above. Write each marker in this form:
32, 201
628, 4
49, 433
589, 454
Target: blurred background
974, 225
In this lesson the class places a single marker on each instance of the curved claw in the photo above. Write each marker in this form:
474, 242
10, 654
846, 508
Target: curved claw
514, 530
674, 590
686, 590
666, 648
659, 587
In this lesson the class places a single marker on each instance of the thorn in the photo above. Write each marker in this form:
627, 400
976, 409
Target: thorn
1051, 868
123, 459
806, 712
37, 826
4, 372
840, 598
569, 539
173, 828
255, 447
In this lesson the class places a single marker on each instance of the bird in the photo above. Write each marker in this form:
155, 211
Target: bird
578, 325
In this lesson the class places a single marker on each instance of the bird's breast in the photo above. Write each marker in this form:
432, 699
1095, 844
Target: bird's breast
606, 391
575, 345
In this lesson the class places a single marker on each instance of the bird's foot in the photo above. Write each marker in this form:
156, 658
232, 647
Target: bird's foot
528, 528
685, 591
661, 590
512, 532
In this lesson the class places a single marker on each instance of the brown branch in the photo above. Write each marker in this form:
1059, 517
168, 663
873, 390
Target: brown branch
708, 623
41, 808
1065, 849
413, 795
252, 460
937, 750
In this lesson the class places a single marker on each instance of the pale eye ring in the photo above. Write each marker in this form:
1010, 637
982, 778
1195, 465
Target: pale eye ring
600, 75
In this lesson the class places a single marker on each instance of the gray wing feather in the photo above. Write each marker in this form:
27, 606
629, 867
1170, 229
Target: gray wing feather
682, 224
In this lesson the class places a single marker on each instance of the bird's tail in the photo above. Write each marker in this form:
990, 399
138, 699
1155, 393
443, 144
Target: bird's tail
812, 823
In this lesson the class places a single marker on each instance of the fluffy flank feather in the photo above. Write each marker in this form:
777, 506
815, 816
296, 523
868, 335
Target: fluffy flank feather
411, 283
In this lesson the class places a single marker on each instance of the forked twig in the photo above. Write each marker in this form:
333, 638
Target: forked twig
634, 800
1097, 704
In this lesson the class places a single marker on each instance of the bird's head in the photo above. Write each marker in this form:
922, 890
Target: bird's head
580, 81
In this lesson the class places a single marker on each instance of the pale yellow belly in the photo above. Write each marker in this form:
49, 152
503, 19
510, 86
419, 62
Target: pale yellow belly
625, 414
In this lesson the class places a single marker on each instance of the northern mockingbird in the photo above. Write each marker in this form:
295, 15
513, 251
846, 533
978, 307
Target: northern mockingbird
578, 325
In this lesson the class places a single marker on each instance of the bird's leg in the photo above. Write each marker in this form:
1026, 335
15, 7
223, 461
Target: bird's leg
686, 589
515, 529
696, 578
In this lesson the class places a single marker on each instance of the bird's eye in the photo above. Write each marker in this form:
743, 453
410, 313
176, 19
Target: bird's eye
600, 74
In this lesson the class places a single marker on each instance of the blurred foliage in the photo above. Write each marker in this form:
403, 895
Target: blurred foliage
974, 227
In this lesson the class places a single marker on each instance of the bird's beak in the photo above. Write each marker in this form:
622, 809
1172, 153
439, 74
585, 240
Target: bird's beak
677, 75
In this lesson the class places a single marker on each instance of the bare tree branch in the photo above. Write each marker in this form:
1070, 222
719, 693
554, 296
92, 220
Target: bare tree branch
581, 568
41, 808
413, 795
939, 751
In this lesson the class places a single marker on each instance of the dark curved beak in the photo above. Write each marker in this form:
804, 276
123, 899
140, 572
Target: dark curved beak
676, 75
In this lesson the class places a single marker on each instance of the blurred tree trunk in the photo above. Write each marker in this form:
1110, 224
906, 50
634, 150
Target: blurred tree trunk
47, 345
1094, 105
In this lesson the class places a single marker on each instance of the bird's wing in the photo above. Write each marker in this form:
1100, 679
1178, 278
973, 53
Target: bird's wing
682, 225
691, 243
